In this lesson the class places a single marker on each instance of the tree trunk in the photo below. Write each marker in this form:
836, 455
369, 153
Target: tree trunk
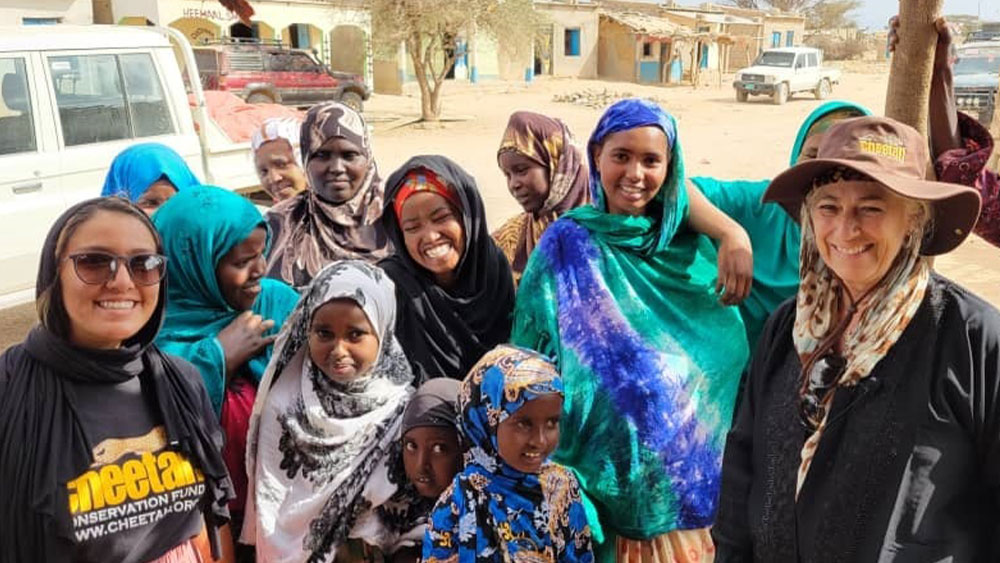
413, 46
910, 73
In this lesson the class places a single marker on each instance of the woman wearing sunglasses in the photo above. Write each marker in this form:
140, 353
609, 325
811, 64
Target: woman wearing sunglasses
109, 450
869, 425
222, 314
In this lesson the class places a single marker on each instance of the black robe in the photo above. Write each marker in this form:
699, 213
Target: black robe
908, 468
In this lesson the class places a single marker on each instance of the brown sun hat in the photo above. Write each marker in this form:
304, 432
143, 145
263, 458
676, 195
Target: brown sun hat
894, 155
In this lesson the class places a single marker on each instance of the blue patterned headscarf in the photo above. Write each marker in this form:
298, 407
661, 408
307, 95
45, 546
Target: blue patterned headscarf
655, 232
139, 166
493, 512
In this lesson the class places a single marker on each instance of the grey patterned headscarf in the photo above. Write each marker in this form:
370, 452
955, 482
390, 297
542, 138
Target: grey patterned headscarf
334, 438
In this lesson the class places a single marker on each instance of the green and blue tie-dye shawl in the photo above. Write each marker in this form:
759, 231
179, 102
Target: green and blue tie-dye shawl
651, 361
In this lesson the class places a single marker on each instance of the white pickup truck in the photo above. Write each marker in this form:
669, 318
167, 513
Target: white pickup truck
782, 72
72, 98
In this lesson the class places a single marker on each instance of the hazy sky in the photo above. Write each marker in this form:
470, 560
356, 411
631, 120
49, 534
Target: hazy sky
874, 13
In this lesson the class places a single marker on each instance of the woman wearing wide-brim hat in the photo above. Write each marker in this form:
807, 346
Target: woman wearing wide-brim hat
868, 427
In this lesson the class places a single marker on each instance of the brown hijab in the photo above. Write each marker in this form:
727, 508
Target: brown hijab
310, 232
548, 142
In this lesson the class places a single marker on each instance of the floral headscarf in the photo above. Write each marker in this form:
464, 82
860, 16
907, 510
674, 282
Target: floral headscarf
492, 511
318, 451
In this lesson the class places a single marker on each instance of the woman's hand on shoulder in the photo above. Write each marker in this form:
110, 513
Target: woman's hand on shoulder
735, 267
244, 338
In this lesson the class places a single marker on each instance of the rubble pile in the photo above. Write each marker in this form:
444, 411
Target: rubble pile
597, 99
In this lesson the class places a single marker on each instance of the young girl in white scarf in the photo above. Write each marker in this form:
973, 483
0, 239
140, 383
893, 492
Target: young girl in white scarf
329, 410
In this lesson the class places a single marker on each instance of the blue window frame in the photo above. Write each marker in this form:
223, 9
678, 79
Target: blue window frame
790, 39
776, 39
571, 48
40, 21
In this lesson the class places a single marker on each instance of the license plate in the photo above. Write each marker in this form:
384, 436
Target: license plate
748, 86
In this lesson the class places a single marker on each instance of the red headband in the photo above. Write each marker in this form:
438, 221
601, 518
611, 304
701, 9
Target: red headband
423, 180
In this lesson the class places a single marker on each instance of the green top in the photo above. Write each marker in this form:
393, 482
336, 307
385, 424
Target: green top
774, 235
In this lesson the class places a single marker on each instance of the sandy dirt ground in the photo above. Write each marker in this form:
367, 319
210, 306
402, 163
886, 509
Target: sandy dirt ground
719, 136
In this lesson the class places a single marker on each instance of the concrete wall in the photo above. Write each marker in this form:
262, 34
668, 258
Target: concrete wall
746, 45
79, 12
272, 17
652, 67
514, 57
563, 17
783, 26
616, 52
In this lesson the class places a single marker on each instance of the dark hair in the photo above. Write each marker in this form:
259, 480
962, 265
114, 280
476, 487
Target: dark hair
49, 299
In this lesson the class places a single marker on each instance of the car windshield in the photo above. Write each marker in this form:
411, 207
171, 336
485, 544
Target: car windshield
776, 58
982, 63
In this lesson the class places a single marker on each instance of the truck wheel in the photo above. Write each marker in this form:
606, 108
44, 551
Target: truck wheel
259, 98
352, 100
741, 95
780, 95
822, 91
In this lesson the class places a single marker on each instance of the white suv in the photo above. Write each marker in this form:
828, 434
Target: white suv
780, 73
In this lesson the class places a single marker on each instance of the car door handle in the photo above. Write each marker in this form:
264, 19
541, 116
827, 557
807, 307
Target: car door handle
27, 188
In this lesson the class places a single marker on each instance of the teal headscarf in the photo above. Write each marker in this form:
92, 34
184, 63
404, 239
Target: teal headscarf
649, 358
139, 166
774, 234
199, 227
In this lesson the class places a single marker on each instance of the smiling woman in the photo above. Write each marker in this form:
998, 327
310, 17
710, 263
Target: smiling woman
100, 304
621, 296
863, 406
453, 285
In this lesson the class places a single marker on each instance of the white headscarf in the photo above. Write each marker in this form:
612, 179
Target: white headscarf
275, 128
318, 451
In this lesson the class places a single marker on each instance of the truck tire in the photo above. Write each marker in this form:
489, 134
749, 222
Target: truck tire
741, 95
780, 95
259, 98
822, 90
352, 100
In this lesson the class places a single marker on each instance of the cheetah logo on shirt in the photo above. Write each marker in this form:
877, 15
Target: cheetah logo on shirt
113, 449
133, 482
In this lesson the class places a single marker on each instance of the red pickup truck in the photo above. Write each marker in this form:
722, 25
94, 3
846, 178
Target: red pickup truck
268, 72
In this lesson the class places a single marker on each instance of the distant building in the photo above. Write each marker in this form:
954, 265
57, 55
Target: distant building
339, 31
47, 12
770, 29
651, 44
566, 44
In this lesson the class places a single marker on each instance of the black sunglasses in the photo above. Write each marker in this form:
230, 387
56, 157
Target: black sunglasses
822, 380
97, 268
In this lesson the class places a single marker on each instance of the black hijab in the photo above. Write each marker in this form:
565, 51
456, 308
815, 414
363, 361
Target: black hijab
445, 332
42, 441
